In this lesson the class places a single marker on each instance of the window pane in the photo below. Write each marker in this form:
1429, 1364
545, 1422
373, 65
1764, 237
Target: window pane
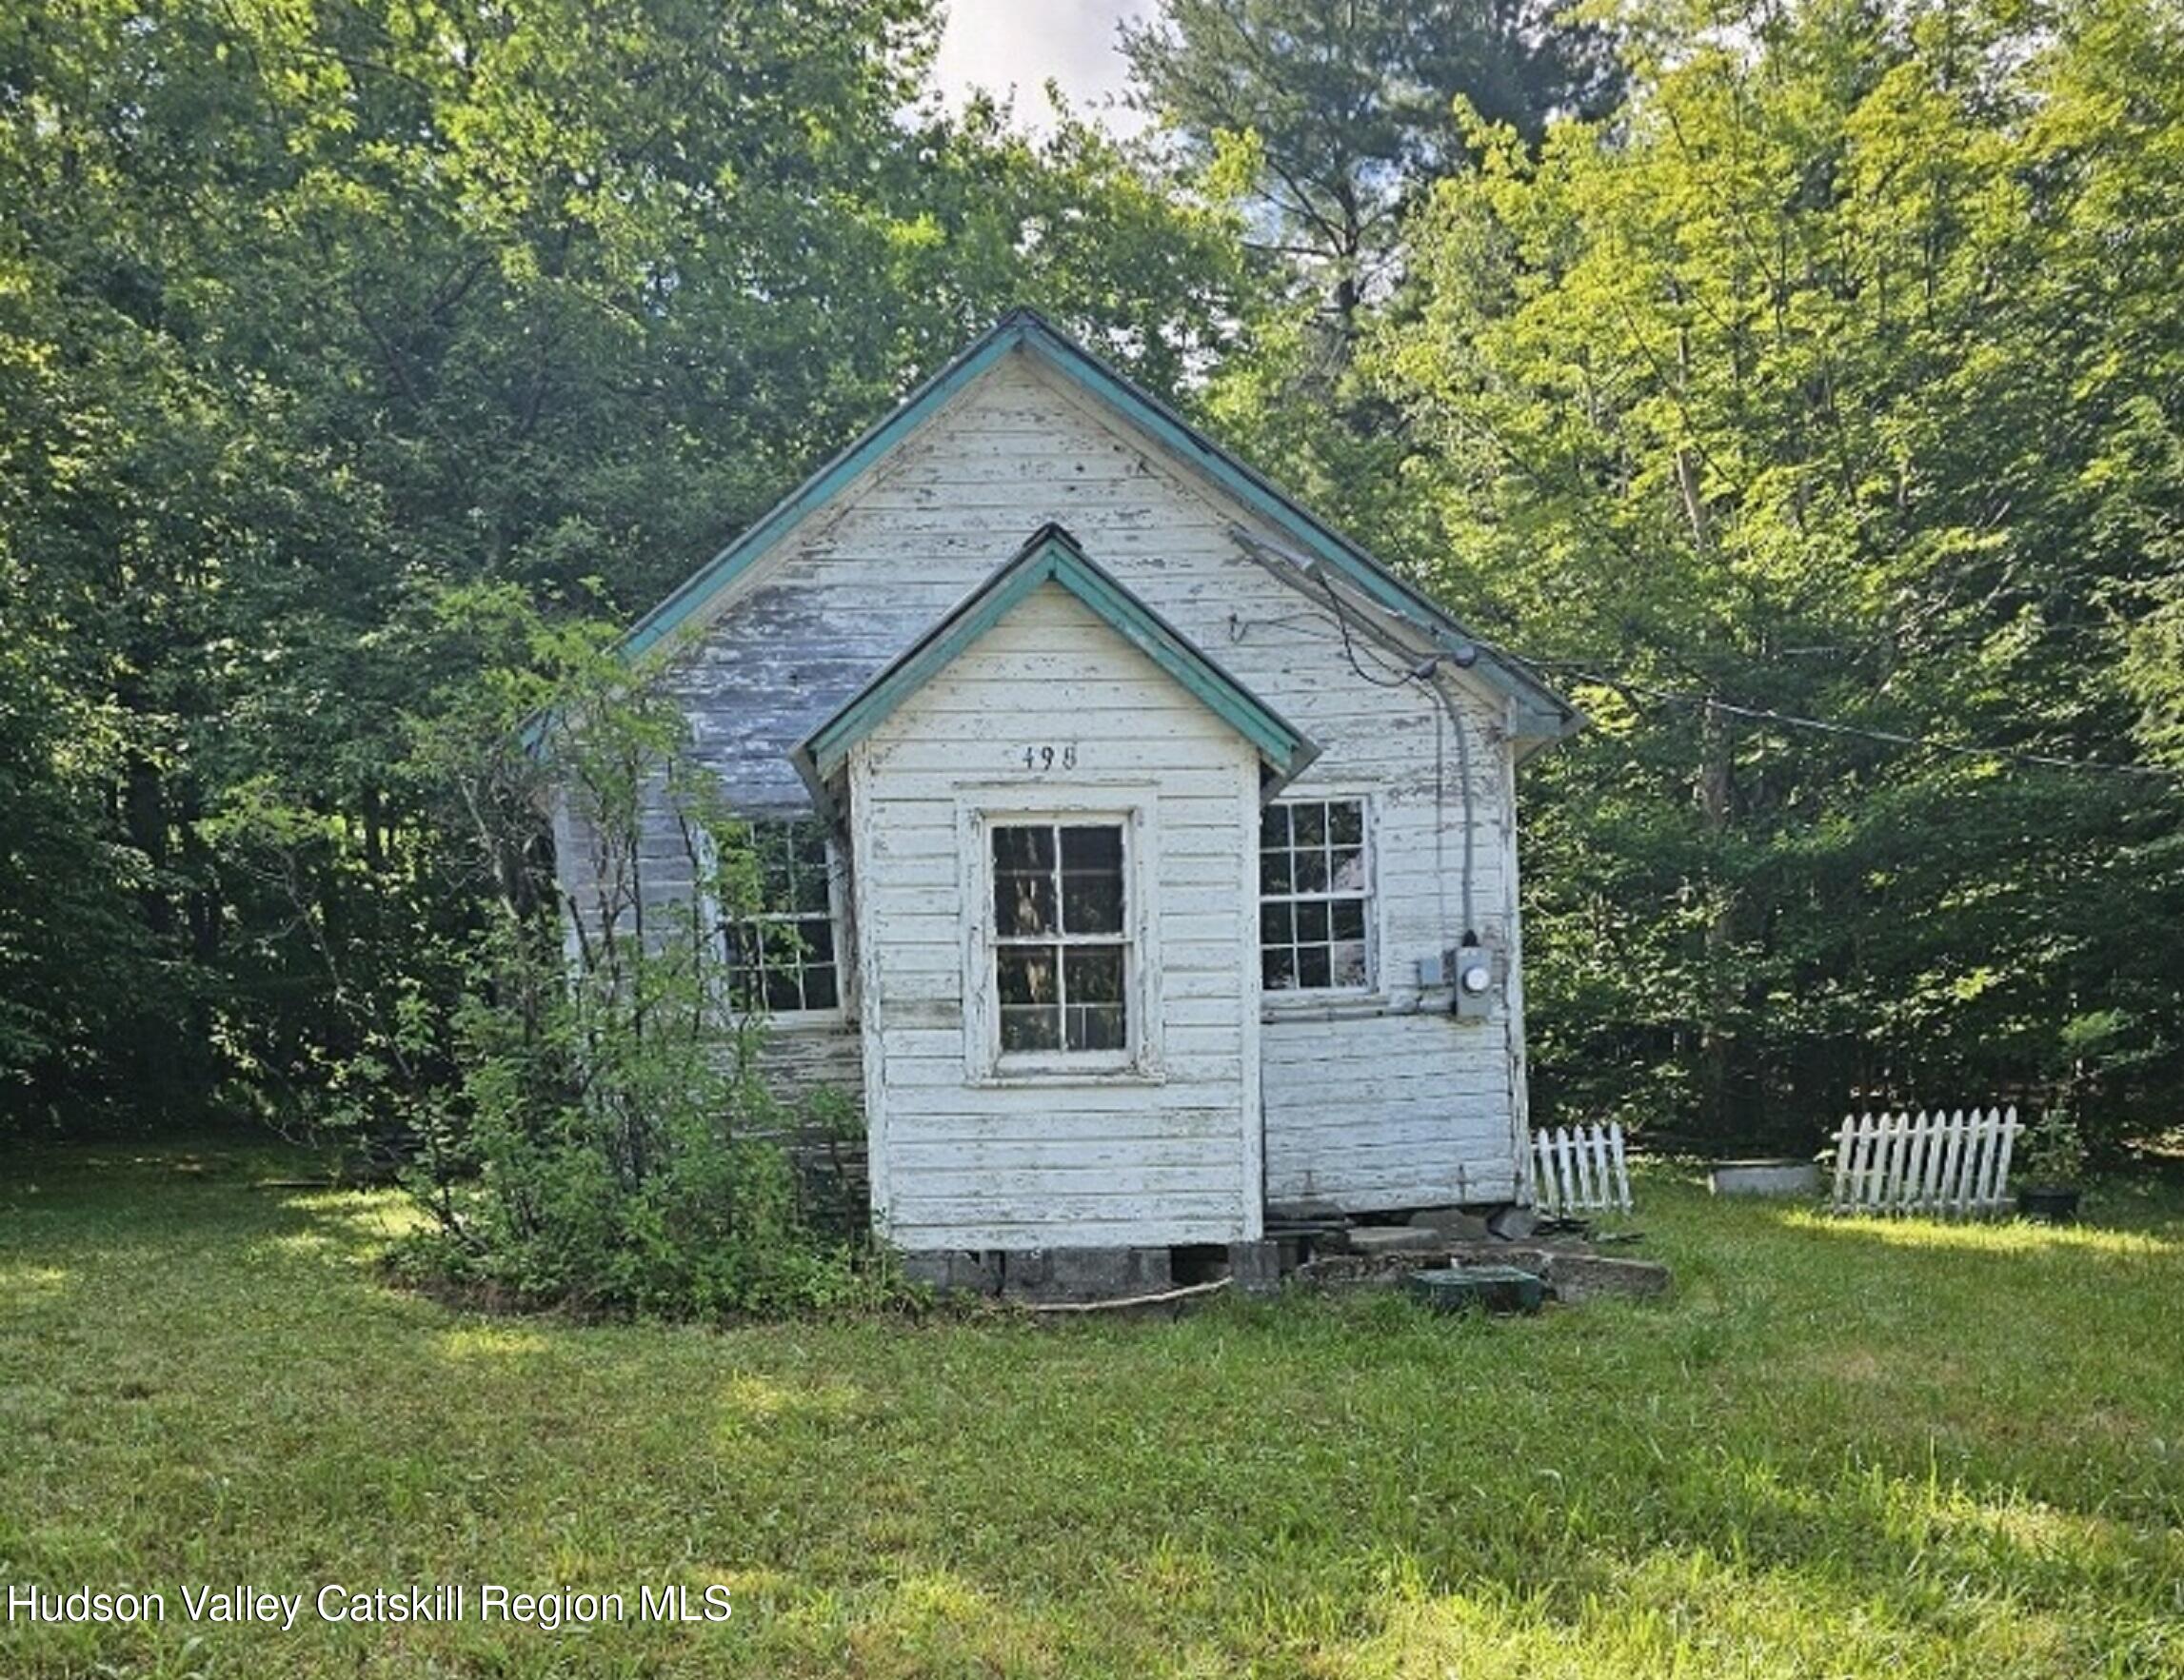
1349, 871
1274, 872
1026, 974
1030, 1027
1346, 962
820, 991
1274, 828
1098, 1026
1346, 823
1277, 925
1311, 875
1309, 825
781, 992
808, 892
771, 845
1312, 922
816, 934
1092, 903
1313, 969
1093, 848
1093, 973
1092, 880
1348, 918
1022, 904
1026, 850
1277, 969
1030, 1010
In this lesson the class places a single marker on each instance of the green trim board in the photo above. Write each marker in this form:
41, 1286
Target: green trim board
1052, 556
1542, 713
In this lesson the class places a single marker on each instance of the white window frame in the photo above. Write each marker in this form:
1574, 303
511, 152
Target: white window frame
718, 921
985, 1062
1274, 998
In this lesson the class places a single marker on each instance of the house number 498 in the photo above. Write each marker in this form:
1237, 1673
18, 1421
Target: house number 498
1050, 758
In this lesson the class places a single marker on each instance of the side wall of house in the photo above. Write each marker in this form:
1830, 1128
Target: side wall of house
964, 1158
1372, 1101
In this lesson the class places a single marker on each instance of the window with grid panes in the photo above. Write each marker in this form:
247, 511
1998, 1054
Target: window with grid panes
783, 955
1314, 890
1061, 952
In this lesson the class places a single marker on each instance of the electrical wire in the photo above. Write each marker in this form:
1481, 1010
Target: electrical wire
1423, 676
1589, 672
1623, 685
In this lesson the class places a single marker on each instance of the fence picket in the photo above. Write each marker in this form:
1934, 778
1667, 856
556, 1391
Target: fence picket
1942, 1163
1948, 1195
1580, 1169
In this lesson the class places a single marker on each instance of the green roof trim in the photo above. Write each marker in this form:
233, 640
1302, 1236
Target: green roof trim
1541, 711
1052, 556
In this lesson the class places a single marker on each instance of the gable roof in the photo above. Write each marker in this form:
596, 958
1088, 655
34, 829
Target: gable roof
1542, 713
1052, 556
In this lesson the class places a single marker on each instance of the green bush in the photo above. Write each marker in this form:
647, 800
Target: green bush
600, 1135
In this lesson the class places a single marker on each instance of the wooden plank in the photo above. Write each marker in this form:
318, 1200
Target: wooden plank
2008, 1123
1948, 1187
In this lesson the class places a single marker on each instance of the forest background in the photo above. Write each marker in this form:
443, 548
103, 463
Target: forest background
1799, 385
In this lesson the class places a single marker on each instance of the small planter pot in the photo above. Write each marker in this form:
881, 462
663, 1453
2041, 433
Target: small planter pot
2049, 1204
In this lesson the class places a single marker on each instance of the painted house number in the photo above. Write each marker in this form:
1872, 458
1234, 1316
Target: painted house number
1050, 758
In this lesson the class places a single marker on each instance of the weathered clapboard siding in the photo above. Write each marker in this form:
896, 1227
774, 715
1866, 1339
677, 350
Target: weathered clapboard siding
965, 1158
813, 623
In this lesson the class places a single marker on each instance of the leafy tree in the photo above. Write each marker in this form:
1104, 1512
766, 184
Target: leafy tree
1833, 379
317, 310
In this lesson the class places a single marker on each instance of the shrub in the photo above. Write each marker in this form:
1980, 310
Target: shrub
601, 1135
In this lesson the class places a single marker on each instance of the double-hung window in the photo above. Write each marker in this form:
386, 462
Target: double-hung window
781, 954
1061, 941
1315, 896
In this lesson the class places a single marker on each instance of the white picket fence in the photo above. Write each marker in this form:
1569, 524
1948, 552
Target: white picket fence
1580, 1169
1952, 1166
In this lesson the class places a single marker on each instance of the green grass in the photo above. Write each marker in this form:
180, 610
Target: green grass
1839, 1449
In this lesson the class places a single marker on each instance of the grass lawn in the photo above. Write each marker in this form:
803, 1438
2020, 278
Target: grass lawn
1839, 1449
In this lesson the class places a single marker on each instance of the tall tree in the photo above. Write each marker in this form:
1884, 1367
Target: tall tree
1330, 116
319, 309
1834, 380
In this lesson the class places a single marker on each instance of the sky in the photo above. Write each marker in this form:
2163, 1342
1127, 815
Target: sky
995, 43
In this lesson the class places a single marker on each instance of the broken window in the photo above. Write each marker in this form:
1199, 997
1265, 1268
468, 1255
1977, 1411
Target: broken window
782, 956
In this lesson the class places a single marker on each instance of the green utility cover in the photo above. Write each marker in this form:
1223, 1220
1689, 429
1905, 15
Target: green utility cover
1496, 1289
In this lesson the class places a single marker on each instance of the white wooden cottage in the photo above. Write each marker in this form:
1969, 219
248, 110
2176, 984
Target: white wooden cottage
1144, 853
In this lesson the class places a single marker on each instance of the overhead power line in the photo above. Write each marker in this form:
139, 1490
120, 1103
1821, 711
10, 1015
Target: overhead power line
1859, 731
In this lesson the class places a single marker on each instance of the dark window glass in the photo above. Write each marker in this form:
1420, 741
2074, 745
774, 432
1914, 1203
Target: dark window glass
1061, 945
1314, 883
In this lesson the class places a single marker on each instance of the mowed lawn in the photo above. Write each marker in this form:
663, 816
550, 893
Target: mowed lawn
1839, 1449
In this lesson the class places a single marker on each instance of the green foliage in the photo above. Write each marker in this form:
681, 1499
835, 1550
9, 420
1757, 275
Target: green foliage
311, 313
2052, 1150
1328, 116
1835, 378
583, 1119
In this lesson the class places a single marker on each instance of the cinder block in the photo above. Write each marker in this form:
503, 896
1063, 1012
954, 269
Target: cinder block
1254, 1267
954, 1270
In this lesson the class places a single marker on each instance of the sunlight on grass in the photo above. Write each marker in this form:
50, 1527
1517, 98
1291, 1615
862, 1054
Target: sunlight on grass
2005, 1237
493, 1341
751, 1398
25, 1281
